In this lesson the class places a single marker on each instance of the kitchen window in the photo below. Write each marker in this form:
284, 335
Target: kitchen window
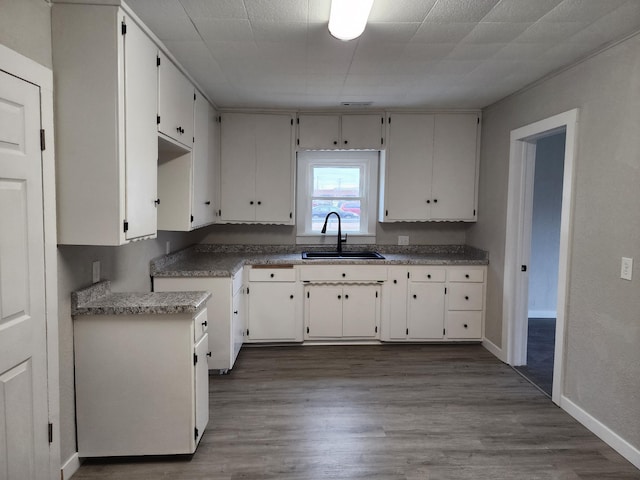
344, 182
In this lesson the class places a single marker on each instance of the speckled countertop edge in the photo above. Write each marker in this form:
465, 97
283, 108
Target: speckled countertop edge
225, 260
98, 299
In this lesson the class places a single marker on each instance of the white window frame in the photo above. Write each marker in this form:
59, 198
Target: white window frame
369, 161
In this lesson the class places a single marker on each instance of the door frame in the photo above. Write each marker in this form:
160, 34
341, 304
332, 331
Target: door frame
518, 238
26, 69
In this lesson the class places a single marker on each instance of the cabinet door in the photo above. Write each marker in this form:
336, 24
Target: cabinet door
203, 163
362, 131
455, 167
201, 386
323, 311
318, 132
360, 307
175, 102
397, 304
426, 311
238, 325
141, 137
237, 167
272, 312
274, 168
408, 168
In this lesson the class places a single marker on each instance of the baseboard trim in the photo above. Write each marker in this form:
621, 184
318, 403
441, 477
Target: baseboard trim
494, 349
543, 314
611, 438
71, 466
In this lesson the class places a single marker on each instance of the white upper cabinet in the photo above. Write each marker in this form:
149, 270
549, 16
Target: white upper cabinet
346, 131
175, 102
256, 168
106, 133
431, 168
186, 178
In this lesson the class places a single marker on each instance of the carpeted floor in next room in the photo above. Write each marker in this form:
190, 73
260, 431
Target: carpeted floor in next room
540, 348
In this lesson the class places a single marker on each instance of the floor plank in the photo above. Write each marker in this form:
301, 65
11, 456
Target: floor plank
392, 412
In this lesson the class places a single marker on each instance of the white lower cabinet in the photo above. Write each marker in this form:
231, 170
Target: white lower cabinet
342, 311
434, 303
226, 320
274, 305
142, 384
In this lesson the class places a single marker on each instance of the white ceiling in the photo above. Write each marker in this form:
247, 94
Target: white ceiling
413, 53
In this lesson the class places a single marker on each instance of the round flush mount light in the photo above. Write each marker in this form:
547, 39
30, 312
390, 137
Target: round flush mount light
348, 18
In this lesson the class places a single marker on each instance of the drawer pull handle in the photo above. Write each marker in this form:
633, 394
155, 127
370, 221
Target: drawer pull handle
204, 324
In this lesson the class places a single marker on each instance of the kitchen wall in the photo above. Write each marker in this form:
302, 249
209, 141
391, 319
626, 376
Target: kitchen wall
426, 233
602, 363
545, 234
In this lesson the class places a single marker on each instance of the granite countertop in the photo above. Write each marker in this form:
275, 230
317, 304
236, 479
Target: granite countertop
98, 299
225, 260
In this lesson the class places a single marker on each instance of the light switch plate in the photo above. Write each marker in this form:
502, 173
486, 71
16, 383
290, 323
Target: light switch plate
95, 275
626, 269
403, 239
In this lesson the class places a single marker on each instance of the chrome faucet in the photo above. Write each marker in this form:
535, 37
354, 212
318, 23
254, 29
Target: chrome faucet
340, 239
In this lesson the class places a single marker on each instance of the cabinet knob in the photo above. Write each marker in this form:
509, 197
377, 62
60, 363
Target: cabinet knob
335, 142
273, 275
208, 354
259, 202
207, 202
435, 200
346, 142
251, 202
466, 297
428, 275
291, 296
415, 296
395, 281
344, 275
465, 325
428, 201
235, 312
204, 324
346, 296
466, 275
339, 297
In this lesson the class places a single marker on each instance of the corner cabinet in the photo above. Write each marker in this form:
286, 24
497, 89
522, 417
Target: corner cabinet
256, 168
142, 383
346, 131
431, 168
106, 132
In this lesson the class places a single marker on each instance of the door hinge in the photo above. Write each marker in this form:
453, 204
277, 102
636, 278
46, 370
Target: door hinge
523, 268
407, 331
376, 329
474, 212
195, 433
158, 61
381, 140
307, 294
445, 290
376, 294
50, 427
126, 226
158, 120
292, 121
307, 329
195, 358
123, 28
192, 218
42, 140
247, 332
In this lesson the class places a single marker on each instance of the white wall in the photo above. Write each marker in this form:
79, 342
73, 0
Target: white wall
25, 27
602, 364
545, 235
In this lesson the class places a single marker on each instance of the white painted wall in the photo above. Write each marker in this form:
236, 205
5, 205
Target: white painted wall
602, 364
545, 235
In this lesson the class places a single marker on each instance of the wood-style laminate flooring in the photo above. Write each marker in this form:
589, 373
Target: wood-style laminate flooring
392, 412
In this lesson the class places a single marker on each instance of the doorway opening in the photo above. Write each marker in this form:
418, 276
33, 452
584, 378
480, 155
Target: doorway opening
542, 295
532, 233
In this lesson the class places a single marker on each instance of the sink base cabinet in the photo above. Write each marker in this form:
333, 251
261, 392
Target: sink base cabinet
141, 384
225, 313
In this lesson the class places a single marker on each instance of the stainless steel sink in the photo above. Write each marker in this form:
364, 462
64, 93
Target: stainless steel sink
333, 255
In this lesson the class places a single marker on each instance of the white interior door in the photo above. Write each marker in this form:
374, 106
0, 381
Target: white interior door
24, 445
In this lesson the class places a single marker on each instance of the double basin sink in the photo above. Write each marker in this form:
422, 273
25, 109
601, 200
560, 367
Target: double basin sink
334, 255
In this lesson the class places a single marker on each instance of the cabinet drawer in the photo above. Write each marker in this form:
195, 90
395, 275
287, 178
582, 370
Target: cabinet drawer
464, 325
466, 275
200, 325
287, 274
428, 274
466, 296
346, 273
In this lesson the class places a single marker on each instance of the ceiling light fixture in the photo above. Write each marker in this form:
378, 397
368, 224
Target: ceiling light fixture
348, 18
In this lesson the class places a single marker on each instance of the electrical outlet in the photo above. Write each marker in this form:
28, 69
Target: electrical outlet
626, 269
95, 268
403, 239
167, 247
